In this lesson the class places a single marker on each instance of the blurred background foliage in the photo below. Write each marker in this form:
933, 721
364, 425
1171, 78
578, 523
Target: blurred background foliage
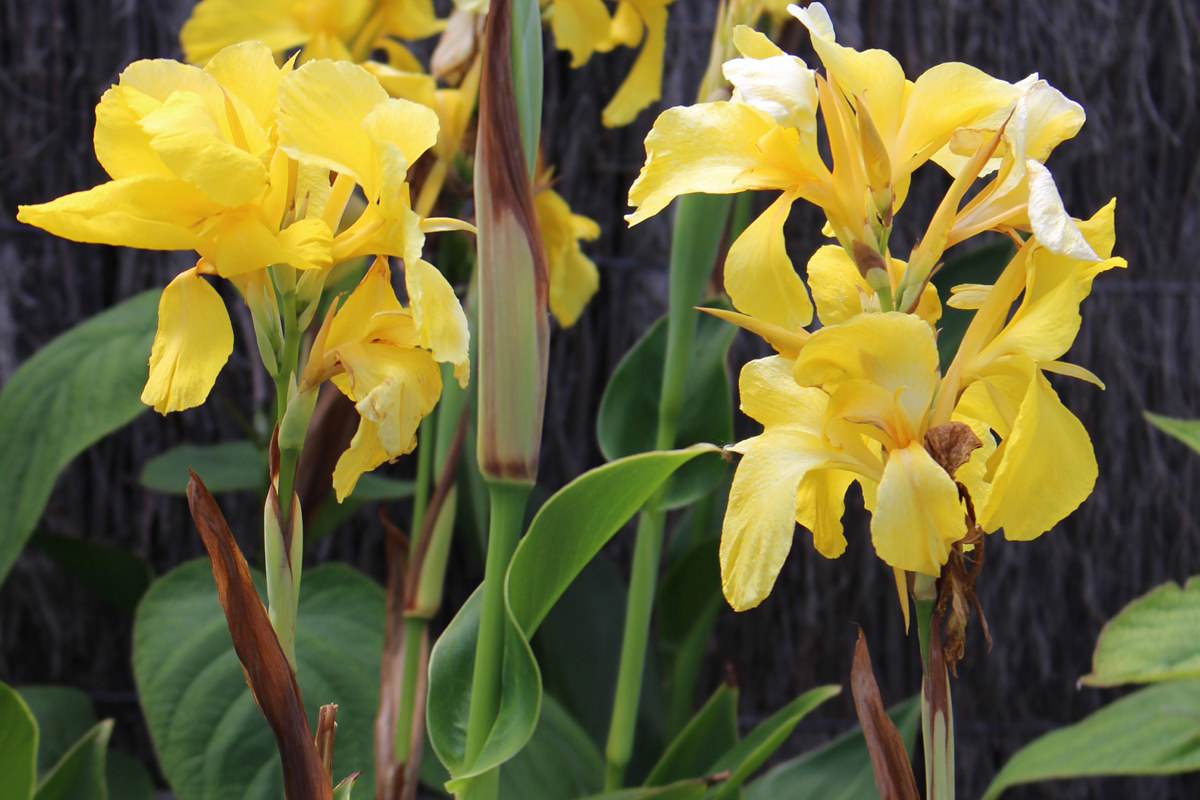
1134, 66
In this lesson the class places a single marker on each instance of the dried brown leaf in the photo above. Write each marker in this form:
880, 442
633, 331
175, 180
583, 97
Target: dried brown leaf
889, 757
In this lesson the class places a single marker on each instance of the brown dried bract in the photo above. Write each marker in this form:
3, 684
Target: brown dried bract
889, 756
951, 445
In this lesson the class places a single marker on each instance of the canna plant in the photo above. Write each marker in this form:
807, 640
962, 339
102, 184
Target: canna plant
941, 459
308, 174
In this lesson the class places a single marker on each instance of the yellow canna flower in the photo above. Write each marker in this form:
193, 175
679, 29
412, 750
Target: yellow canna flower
854, 405
348, 30
193, 165
384, 357
573, 276
235, 161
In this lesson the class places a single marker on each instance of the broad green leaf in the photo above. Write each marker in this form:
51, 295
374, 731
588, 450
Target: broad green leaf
1185, 430
577, 521
628, 417
1154, 638
752, 752
211, 739
568, 531
694, 789
687, 603
579, 642
224, 467
79, 775
711, 733
370, 487
451, 667
83, 385
982, 265
112, 573
840, 770
18, 746
63, 715
1150, 732
560, 762
127, 778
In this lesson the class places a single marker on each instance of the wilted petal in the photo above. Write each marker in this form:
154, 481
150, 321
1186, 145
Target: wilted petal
782, 86
918, 514
193, 342
1048, 218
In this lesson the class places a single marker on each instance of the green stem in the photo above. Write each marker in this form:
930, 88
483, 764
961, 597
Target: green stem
426, 446
699, 225
507, 514
643, 581
414, 632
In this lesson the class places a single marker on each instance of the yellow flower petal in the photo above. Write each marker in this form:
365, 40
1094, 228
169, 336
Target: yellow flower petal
643, 84
249, 72
770, 395
188, 138
759, 276
820, 504
354, 319
837, 286
573, 276
239, 241
1043, 470
322, 105
394, 386
709, 147
580, 26
153, 213
364, 454
439, 317
918, 515
760, 519
193, 342
217, 23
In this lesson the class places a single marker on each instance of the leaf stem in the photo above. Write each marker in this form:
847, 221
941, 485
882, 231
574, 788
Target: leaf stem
937, 714
507, 514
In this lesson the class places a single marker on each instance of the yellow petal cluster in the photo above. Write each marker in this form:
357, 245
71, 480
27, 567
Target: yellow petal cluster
861, 399
253, 166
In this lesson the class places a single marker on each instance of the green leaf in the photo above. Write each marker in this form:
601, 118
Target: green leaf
688, 601
578, 644
18, 746
370, 487
577, 521
981, 265
750, 753
628, 417
1185, 430
694, 789
1150, 732
112, 573
343, 789
710, 734
83, 385
840, 770
211, 739
63, 714
568, 531
224, 467
127, 778
79, 775
1152, 639
560, 761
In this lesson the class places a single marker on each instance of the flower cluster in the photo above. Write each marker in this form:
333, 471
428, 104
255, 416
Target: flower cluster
253, 166
939, 458
363, 30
